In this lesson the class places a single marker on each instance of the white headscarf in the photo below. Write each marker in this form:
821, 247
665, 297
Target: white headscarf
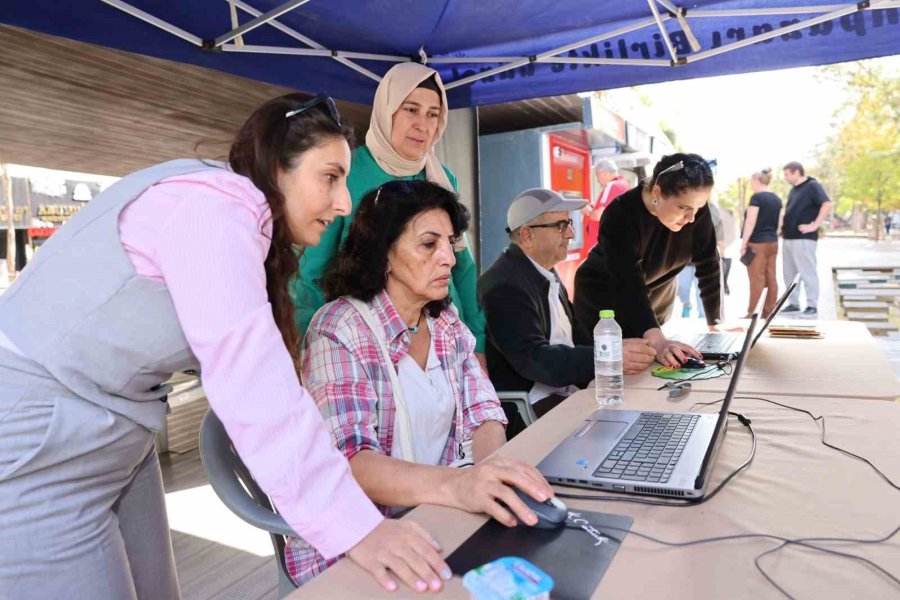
398, 83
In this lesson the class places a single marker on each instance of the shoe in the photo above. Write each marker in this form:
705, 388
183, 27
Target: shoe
685, 311
791, 308
810, 313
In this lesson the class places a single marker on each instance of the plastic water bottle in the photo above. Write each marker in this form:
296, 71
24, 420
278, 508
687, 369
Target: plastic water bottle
609, 382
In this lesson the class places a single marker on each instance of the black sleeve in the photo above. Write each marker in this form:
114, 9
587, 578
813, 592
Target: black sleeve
619, 238
513, 327
754, 200
706, 261
820, 196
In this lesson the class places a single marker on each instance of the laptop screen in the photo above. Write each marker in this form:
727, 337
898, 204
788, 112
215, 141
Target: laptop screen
726, 404
787, 294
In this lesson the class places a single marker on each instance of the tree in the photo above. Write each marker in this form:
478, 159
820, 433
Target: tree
858, 161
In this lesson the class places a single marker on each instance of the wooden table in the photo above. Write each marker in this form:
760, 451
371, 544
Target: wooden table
846, 363
794, 488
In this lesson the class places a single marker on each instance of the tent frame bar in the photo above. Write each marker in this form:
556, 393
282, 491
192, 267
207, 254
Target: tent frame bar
830, 12
306, 40
543, 56
256, 22
836, 14
155, 21
662, 30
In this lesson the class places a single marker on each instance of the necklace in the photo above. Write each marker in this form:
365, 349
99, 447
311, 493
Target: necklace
415, 328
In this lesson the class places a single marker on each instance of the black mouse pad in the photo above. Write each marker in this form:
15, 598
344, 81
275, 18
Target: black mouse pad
575, 556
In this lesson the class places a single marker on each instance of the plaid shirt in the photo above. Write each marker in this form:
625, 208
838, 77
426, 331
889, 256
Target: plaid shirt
343, 370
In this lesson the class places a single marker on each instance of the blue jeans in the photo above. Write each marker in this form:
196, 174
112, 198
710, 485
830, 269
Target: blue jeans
686, 281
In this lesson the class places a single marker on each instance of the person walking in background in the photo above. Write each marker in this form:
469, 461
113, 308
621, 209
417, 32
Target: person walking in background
612, 186
687, 279
807, 207
729, 236
760, 239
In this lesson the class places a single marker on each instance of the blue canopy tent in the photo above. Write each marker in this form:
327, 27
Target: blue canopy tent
487, 51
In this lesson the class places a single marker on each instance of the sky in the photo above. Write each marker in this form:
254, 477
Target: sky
752, 121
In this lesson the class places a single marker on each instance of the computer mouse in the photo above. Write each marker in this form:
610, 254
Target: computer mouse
693, 363
551, 513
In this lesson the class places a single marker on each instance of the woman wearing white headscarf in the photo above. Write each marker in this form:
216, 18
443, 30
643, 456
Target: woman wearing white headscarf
409, 115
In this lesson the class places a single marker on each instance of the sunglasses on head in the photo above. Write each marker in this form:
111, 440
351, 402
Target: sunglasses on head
708, 166
312, 103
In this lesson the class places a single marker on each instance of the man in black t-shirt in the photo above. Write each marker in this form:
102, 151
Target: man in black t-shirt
807, 207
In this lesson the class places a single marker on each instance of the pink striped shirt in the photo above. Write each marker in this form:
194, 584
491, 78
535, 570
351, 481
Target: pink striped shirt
206, 236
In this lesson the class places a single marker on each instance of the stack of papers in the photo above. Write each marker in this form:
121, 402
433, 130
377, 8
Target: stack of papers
795, 331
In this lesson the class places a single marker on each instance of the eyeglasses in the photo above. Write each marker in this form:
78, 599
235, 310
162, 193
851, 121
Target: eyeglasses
560, 226
312, 103
707, 165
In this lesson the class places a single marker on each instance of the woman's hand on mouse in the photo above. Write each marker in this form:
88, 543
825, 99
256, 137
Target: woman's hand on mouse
669, 352
479, 488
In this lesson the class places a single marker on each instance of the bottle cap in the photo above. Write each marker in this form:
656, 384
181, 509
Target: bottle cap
607, 314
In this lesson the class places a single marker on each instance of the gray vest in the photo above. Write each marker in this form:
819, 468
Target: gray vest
83, 317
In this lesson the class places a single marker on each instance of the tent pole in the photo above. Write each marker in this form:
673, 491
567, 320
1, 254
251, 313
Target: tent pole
325, 53
550, 53
775, 11
846, 10
148, 18
679, 13
260, 20
662, 30
308, 41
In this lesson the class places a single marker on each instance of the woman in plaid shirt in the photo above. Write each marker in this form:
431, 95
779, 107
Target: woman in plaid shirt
404, 425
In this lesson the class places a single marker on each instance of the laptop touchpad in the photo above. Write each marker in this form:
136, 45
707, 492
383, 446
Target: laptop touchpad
602, 429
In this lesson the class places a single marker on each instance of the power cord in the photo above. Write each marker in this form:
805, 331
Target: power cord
785, 542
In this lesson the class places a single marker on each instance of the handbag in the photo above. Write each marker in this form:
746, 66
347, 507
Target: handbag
748, 256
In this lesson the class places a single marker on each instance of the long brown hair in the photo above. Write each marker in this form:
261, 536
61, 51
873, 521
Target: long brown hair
267, 143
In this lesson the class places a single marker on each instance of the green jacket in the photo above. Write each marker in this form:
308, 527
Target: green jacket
365, 175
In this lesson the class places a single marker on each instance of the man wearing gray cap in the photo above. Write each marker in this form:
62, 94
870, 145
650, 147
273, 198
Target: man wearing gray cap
529, 316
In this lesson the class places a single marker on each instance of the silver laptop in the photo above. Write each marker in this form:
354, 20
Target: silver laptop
641, 452
725, 346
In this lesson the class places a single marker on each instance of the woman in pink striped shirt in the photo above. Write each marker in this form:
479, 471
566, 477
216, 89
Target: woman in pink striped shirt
195, 275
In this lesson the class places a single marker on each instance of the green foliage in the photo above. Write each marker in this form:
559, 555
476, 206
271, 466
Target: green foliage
858, 163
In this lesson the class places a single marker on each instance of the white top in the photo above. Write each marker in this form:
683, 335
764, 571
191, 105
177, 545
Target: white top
560, 333
429, 405
7, 344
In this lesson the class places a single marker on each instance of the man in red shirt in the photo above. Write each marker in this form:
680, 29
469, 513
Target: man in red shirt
607, 175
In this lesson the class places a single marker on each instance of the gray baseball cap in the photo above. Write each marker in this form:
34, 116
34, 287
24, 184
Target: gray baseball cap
532, 203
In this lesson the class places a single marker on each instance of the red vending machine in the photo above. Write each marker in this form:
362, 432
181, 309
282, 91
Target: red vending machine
570, 175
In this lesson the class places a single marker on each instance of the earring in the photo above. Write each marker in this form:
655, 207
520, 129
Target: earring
655, 202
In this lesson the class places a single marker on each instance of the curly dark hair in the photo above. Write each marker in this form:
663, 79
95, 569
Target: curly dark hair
268, 142
695, 174
359, 269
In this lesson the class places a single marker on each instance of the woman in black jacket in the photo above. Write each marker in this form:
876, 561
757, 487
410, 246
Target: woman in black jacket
647, 236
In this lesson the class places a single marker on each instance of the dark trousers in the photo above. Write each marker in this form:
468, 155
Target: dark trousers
516, 425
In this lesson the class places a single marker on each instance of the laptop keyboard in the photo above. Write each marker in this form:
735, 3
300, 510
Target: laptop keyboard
650, 449
716, 342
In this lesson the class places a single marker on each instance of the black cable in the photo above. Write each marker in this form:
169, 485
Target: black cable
785, 542
804, 542
676, 503
725, 367
816, 419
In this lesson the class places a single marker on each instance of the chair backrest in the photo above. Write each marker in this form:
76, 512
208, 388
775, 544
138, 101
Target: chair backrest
237, 489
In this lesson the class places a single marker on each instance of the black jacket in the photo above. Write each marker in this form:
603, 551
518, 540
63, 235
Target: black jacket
513, 295
634, 268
